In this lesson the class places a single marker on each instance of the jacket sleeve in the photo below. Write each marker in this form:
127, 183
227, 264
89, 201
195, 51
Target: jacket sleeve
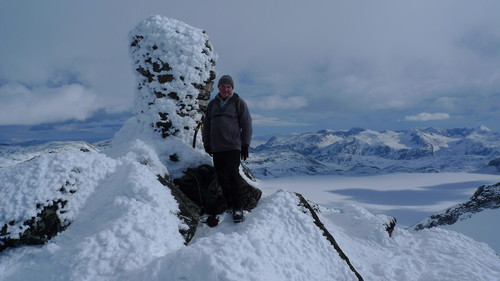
245, 120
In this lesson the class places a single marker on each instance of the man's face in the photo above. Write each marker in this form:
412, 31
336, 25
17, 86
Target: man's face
225, 90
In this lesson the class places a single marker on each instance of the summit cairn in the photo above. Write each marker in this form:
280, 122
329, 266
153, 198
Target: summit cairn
175, 67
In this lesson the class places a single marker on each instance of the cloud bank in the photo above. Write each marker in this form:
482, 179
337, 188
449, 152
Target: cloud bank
23, 105
278, 103
260, 120
333, 64
424, 116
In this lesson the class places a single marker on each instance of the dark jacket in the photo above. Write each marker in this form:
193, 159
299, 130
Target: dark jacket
228, 126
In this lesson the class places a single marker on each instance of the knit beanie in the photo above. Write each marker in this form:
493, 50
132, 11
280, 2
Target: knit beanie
226, 79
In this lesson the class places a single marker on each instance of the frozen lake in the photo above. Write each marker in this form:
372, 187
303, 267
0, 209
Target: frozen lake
408, 197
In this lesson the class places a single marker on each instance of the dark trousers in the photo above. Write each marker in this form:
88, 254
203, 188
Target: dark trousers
227, 164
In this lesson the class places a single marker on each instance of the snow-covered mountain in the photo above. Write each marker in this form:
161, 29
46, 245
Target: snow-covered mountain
485, 197
361, 151
79, 212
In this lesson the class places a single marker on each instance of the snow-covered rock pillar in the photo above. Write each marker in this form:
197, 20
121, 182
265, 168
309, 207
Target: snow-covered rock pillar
175, 67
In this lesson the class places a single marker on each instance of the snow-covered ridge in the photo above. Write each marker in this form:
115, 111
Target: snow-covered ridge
124, 227
116, 212
475, 217
485, 197
361, 151
14, 154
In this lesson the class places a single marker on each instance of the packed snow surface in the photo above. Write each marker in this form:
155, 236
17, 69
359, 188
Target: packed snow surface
481, 226
407, 197
124, 227
415, 191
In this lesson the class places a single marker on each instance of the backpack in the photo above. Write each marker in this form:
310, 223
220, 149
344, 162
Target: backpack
200, 185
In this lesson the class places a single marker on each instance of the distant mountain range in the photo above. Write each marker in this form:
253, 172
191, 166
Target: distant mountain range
348, 152
360, 151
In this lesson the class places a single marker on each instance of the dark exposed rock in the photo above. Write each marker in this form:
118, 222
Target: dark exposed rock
251, 195
197, 192
189, 210
161, 66
165, 78
485, 197
40, 229
136, 40
200, 185
248, 173
174, 157
159, 94
163, 115
45, 225
307, 208
173, 95
166, 128
389, 227
495, 163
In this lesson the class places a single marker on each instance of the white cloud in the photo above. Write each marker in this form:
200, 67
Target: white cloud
424, 116
278, 102
351, 57
26, 106
260, 120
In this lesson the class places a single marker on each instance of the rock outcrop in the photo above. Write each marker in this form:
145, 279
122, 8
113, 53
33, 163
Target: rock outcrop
39, 229
200, 185
307, 208
189, 211
495, 163
485, 197
46, 210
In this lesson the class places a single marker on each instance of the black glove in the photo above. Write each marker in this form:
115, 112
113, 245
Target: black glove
208, 150
244, 152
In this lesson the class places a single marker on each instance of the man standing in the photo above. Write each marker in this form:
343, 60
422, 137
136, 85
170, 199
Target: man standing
227, 131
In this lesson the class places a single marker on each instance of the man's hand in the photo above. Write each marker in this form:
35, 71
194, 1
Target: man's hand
208, 150
244, 152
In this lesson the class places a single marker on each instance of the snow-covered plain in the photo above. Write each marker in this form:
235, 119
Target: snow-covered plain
409, 197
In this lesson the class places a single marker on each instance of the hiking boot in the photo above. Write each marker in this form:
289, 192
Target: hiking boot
212, 221
238, 216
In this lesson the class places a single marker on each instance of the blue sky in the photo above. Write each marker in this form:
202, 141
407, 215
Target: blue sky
65, 72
